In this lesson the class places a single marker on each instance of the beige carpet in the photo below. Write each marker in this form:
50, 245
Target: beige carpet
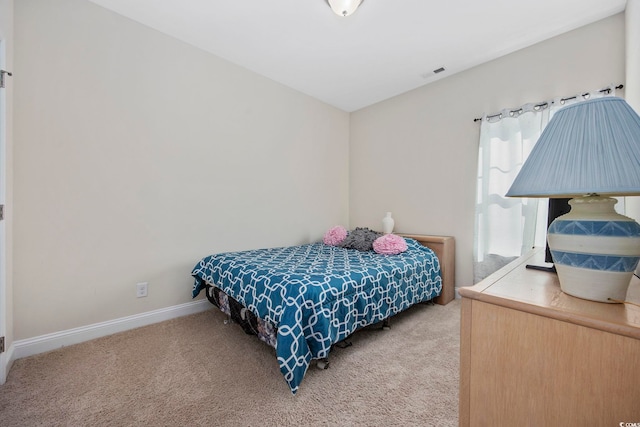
196, 370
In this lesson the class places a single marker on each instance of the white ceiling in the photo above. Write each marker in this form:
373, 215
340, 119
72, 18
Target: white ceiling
385, 48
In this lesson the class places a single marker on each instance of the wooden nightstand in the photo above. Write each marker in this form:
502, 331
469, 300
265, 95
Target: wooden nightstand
533, 355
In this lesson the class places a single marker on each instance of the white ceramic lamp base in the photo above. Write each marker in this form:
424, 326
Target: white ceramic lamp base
595, 250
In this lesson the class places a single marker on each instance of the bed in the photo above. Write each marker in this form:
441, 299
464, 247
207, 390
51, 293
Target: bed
304, 299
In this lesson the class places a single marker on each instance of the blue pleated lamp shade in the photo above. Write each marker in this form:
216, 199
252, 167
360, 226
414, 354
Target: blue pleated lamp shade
589, 151
588, 147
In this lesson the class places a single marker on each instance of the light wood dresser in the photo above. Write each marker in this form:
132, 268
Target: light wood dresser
531, 355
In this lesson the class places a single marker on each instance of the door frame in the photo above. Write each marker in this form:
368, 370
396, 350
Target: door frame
4, 356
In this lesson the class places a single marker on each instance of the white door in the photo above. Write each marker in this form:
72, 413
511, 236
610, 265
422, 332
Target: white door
3, 188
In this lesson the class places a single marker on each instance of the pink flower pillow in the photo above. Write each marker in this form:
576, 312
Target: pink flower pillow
335, 235
389, 244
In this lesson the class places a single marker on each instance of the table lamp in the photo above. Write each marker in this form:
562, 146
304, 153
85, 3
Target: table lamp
589, 151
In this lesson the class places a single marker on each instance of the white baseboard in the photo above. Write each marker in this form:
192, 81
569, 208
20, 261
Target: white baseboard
48, 342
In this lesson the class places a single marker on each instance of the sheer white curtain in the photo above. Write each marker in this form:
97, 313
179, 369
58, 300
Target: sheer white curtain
509, 227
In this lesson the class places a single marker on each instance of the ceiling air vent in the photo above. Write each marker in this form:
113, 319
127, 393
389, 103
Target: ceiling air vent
439, 70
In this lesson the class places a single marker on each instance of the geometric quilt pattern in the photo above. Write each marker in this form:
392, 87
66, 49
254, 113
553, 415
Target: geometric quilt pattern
317, 295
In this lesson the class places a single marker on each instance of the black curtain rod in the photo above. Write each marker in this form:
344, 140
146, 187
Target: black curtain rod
546, 104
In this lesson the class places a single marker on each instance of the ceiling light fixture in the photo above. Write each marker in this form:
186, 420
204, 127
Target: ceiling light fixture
344, 7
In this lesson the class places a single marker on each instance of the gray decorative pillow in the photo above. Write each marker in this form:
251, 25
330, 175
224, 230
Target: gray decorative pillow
361, 239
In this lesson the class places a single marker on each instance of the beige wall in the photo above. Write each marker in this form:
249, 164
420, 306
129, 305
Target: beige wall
416, 154
136, 155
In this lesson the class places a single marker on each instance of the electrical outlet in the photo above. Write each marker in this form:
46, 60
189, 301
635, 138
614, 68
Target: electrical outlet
141, 289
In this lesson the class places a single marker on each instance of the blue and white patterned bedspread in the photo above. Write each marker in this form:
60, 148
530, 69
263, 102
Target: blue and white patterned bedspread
317, 295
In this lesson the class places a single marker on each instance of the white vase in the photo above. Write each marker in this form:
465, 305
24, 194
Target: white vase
387, 224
